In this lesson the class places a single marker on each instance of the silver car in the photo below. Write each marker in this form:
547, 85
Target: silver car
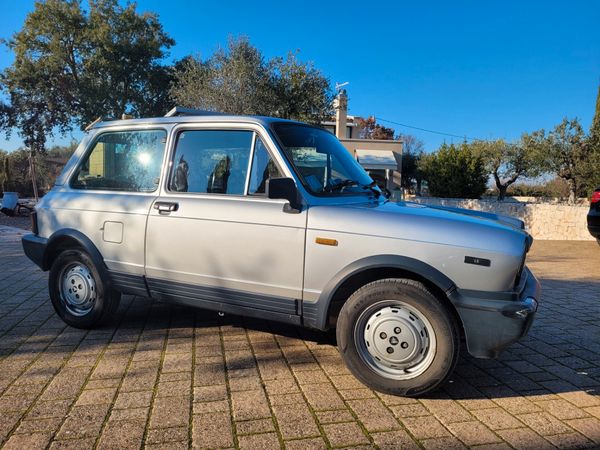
274, 219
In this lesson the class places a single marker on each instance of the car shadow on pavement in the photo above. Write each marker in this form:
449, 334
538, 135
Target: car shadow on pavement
561, 354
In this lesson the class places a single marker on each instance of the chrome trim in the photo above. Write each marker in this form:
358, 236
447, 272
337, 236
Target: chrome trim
250, 159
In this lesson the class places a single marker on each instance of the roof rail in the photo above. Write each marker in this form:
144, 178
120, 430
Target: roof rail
180, 111
91, 125
105, 119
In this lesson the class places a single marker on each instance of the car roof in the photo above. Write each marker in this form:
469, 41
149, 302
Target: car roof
259, 120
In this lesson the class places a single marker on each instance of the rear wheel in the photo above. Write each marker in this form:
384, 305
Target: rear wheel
78, 293
397, 337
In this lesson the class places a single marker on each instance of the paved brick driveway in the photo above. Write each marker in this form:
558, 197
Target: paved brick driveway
165, 376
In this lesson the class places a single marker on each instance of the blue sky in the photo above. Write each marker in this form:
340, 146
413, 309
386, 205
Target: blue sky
481, 69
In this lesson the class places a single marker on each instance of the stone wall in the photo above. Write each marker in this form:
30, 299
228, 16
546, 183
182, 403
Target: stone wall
548, 220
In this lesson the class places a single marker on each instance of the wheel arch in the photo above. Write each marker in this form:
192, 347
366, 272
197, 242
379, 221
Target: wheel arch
323, 314
68, 238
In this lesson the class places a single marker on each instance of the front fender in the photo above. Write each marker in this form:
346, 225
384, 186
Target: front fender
315, 314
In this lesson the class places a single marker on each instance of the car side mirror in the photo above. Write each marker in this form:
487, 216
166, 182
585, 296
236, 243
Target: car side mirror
285, 188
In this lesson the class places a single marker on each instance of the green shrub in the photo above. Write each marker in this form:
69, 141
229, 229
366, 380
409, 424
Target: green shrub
454, 171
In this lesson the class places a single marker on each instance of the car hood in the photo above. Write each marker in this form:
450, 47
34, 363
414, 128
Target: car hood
417, 222
500, 218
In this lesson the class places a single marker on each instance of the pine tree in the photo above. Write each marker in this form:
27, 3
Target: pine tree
593, 169
595, 128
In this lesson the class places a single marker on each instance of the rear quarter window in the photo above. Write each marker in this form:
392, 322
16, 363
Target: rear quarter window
128, 161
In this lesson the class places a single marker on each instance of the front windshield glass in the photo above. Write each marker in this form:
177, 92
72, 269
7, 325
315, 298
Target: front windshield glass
322, 163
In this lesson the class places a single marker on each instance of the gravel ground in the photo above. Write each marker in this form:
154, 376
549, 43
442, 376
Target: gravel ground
23, 222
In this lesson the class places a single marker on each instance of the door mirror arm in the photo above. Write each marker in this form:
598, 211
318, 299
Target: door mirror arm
285, 188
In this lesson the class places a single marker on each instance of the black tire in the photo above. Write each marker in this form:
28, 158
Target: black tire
103, 301
359, 316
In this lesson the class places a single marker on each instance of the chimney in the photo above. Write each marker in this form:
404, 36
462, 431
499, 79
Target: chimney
341, 114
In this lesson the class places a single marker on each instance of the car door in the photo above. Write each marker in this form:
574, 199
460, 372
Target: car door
213, 238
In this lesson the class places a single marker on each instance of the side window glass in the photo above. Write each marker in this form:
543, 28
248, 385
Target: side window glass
123, 161
263, 168
211, 161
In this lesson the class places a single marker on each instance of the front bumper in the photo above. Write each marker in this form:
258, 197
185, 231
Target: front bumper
35, 248
493, 321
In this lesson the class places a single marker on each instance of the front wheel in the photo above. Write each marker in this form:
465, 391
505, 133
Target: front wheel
397, 337
77, 291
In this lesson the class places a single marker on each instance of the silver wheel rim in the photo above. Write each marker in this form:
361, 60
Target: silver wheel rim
77, 289
395, 340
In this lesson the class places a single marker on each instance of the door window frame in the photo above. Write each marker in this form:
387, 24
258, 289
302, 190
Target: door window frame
257, 132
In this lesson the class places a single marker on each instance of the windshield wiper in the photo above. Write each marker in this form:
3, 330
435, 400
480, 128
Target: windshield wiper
347, 183
341, 185
372, 187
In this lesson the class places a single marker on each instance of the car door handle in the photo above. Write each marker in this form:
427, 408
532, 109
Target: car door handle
166, 207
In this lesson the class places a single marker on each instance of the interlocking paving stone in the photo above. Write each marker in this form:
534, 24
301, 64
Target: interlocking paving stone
473, 433
122, 434
162, 435
255, 426
334, 416
425, 427
322, 396
212, 430
170, 412
497, 419
73, 444
30, 441
570, 440
589, 427
525, 438
447, 443
374, 415
544, 423
296, 421
394, 439
263, 441
306, 444
345, 434
165, 376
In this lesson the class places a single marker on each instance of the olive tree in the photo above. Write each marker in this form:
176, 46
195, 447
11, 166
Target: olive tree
73, 64
507, 162
564, 152
239, 80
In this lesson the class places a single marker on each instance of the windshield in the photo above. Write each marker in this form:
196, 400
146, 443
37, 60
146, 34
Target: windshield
322, 163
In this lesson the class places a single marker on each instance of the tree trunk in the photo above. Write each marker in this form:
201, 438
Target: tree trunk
502, 188
572, 190
33, 176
